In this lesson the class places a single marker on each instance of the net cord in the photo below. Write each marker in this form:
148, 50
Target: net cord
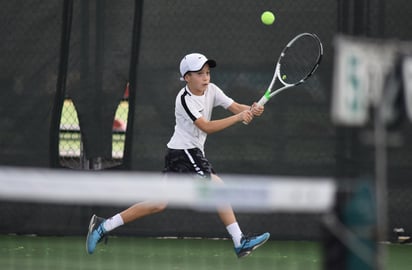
263, 193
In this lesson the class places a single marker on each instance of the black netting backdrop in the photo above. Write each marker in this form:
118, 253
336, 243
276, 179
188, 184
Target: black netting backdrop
100, 48
246, 52
295, 135
30, 34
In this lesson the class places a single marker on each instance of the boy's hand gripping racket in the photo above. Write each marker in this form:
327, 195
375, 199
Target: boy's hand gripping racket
296, 63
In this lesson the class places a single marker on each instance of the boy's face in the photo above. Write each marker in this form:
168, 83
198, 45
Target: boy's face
197, 81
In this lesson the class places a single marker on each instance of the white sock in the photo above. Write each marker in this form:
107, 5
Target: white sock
113, 222
235, 232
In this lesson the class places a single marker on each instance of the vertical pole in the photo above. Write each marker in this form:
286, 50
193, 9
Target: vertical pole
61, 83
134, 61
381, 181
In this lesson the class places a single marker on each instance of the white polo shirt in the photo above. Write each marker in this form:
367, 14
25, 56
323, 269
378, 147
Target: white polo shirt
190, 107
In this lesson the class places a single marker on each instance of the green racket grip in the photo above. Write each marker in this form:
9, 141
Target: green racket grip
265, 98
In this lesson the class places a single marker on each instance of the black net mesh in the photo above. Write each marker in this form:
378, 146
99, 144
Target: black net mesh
98, 70
246, 52
294, 136
30, 33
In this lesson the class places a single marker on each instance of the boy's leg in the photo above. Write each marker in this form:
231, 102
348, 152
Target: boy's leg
99, 227
227, 216
142, 209
244, 245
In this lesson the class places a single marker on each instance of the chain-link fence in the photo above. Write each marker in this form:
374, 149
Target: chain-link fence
71, 150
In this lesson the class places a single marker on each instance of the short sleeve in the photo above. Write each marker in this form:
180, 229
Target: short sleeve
221, 99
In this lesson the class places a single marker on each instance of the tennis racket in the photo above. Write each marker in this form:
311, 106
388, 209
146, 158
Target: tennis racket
296, 63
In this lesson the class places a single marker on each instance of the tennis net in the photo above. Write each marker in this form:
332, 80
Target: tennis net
46, 215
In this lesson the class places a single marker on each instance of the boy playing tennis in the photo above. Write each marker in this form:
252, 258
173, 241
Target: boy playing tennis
193, 109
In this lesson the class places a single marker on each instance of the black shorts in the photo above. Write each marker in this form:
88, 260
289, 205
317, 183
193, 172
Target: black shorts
188, 161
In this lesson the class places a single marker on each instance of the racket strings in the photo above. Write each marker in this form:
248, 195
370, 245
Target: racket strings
300, 59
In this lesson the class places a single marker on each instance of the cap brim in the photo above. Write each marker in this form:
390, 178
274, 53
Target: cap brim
211, 62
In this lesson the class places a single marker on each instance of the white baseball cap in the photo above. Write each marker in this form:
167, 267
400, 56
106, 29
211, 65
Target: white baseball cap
194, 62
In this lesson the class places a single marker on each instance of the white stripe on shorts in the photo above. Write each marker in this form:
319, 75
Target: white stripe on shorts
197, 169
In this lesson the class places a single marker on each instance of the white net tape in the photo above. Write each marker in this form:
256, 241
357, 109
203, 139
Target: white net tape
248, 193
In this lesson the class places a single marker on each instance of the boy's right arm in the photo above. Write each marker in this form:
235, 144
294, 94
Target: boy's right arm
218, 125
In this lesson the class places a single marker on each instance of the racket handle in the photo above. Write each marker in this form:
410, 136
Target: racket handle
246, 123
263, 100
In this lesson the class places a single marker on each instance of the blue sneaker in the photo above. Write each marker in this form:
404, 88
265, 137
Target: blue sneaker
250, 243
95, 234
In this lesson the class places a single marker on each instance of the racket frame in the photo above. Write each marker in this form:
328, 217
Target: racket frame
269, 94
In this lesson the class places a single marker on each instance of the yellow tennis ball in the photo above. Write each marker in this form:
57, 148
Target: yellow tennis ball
284, 77
267, 17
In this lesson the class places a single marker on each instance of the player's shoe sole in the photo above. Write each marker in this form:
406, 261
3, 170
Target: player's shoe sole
250, 243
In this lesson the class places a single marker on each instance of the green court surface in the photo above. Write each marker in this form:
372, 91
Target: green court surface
30, 252
25, 252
